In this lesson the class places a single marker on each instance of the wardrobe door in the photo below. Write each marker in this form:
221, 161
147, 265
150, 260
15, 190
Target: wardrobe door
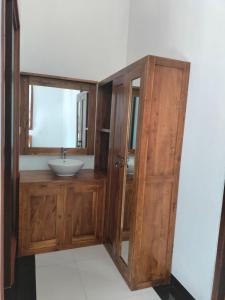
158, 156
118, 159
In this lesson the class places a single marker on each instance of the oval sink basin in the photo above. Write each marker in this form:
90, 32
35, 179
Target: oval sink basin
65, 167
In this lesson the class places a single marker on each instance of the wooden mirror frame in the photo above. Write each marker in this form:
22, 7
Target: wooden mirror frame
57, 82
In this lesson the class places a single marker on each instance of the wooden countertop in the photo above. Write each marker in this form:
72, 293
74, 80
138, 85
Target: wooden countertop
48, 176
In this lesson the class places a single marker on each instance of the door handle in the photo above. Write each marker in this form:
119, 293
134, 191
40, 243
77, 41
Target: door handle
120, 162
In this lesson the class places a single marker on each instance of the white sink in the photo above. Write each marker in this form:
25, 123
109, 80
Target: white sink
65, 167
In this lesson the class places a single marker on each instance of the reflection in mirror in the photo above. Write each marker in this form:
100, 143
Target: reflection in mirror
57, 117
134, 114
127, 205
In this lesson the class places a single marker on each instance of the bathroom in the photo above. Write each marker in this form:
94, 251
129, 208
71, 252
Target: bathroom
101, 205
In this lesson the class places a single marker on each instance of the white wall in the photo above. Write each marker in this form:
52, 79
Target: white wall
192, 30
74, 38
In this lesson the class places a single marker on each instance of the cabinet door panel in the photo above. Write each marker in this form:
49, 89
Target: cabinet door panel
43, 210
84, 204
164, 121
84, 214
156, 216
41, 224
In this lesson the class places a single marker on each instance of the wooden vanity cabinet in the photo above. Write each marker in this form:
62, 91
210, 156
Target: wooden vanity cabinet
60, 213
140, 215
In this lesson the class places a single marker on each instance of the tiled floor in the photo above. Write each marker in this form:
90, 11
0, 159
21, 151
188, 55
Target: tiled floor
83, 274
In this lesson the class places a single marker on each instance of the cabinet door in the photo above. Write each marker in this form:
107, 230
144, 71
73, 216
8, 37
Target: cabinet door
84, 214
41, 218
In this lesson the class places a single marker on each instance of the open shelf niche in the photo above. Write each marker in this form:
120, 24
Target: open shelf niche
103, 126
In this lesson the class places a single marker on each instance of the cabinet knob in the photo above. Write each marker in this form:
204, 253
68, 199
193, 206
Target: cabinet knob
119, 162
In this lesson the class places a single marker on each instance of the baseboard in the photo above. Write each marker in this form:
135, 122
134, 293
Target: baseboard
25, 280
173, 291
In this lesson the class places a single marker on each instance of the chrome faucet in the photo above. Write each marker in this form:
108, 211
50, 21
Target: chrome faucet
63, 153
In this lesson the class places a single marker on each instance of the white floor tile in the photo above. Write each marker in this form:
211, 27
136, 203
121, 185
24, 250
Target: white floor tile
102, 281
59, 283
149, 295
66, 257
83, 274
91, 253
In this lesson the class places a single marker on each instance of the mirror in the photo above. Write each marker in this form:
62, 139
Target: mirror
134, 115
57, 114
57, 117
127, 205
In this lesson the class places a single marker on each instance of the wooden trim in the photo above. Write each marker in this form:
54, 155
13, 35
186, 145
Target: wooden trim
7, 144
46, 76
59, 82
124, 70
157, 59
55, 151
219, 277
31, 109
10, 154
3, 13
16, 19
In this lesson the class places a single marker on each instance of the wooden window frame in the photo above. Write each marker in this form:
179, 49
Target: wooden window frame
57, 82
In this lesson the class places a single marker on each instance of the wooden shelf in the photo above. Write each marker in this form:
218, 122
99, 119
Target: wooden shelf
103, 126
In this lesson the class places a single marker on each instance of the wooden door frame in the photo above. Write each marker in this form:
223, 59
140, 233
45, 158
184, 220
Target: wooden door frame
9, 91
2, 147
219, 277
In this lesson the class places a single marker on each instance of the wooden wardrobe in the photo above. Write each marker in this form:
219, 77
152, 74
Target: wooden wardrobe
139, 133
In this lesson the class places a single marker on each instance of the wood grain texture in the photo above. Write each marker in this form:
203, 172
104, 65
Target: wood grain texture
45, 176
3, 42
117, 171
158, 162
67, 79
163, 96
84, 209
40, 217
58, 213
10, 142
58, 82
